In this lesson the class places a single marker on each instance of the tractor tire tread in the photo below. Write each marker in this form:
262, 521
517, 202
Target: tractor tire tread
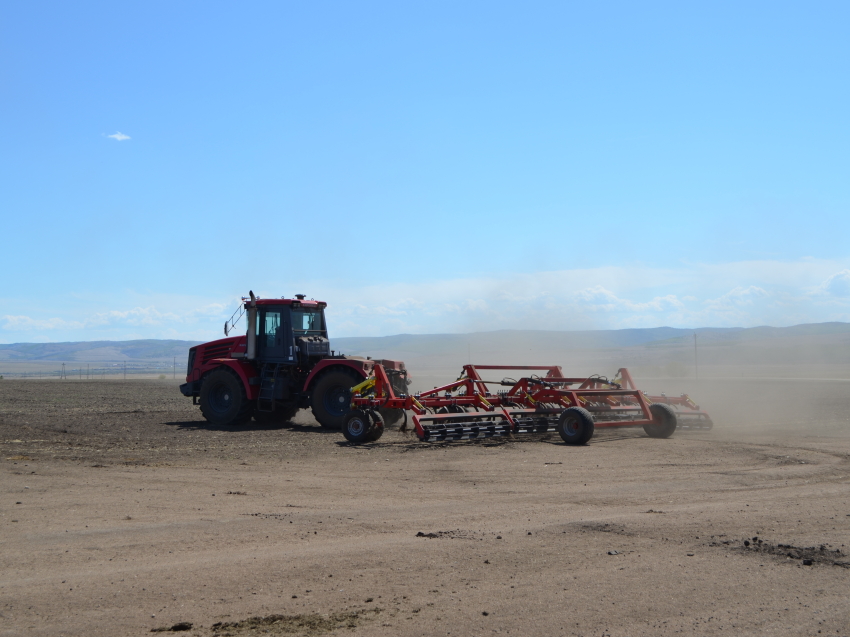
237, 416
329, 379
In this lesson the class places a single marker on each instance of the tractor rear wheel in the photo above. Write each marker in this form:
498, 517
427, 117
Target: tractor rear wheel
331, 399
357, 426
575, 425
665, 421
223, 399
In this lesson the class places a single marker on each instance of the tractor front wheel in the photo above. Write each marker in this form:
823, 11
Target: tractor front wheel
223, 399
331, 399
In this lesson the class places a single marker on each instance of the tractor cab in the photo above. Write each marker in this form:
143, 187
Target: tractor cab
289, 331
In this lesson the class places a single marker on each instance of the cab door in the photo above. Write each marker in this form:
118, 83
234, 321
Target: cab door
275, 335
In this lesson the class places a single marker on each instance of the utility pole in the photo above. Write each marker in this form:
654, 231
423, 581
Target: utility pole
125, 370
696, 360
174, 372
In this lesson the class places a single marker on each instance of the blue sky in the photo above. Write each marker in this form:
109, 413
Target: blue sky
440, 167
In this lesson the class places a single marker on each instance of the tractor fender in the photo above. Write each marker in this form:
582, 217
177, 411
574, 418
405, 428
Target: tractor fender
244, 370
362, 367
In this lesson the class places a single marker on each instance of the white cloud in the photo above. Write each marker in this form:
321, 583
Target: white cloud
741, 294
102, 323
598, 298
150, 316
838, 285
738, 297
119, 137
28, 324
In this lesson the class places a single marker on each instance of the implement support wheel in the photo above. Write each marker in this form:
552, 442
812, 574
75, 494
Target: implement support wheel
575, 425
664, 421
357, 427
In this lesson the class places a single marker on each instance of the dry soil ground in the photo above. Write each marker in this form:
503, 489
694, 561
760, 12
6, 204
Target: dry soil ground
121, 511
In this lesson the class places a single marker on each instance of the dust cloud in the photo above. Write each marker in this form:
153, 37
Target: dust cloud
760, 381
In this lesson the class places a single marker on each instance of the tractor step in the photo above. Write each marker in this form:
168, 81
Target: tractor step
266, 396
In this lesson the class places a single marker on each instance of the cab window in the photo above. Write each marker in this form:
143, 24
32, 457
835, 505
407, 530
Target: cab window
270, 327
307, 321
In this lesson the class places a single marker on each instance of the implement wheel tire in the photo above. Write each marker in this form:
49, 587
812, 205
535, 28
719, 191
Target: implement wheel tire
357, 427
331, 399
377, 426
223, 399
575, 426
665, 421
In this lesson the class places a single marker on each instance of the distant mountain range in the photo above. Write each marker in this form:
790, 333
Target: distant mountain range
476, 344
97, 351
436, 344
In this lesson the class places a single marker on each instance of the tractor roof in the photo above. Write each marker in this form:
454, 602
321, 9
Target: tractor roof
296, 302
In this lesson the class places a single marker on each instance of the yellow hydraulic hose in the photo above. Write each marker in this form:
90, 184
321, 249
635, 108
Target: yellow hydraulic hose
367, 384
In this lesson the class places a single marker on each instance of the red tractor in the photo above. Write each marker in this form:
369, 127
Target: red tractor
282, 364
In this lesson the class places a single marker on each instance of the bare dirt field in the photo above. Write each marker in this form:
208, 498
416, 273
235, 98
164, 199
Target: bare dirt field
123, 512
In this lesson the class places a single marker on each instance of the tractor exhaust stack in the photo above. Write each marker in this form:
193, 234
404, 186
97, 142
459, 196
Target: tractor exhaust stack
251, 349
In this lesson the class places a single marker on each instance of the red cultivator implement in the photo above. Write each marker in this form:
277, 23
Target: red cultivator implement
468, 409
